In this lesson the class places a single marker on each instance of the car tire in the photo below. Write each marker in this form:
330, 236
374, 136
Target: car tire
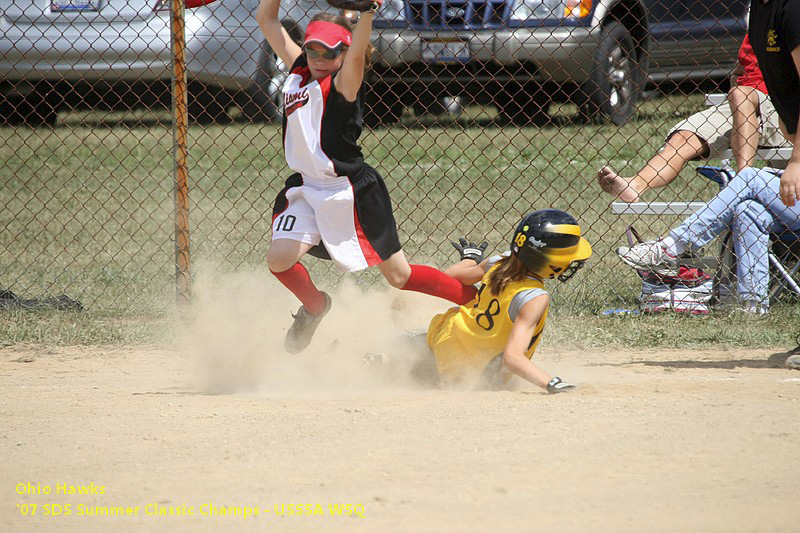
39, 108
382, 106
616, 81
264, 101
522, 104
428, 104
207, 105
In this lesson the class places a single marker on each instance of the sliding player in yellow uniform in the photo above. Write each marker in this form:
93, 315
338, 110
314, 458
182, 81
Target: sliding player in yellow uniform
502, 326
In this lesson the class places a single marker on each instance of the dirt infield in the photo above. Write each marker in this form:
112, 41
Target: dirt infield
659, 441
678, 441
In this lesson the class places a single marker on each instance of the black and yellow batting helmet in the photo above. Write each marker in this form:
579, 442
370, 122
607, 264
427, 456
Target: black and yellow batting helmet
549, 244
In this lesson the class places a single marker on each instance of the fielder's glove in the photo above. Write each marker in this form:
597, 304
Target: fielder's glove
470, 250
356, 5
558, 385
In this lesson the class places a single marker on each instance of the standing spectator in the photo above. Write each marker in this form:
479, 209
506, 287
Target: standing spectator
775, 34
747, 121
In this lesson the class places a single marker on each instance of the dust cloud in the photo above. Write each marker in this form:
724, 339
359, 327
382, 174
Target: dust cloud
239, 321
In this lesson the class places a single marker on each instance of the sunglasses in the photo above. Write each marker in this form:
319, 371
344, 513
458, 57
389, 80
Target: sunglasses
327, 54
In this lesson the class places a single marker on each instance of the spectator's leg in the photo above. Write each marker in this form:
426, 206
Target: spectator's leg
662, 169
745, 135
767, 191
716, 215
751, 223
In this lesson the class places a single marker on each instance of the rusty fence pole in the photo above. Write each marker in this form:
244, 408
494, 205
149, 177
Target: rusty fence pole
183, 282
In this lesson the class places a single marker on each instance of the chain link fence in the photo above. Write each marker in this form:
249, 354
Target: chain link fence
477, 111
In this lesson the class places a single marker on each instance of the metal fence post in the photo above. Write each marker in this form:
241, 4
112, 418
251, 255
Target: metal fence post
180, 154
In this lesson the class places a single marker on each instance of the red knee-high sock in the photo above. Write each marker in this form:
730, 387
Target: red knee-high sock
297, 280
428, 280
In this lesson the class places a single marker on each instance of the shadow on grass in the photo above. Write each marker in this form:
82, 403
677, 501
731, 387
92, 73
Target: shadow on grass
553, 122
140, 119
480, 118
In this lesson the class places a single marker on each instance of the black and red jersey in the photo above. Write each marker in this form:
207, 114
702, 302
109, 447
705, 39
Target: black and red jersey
320, 128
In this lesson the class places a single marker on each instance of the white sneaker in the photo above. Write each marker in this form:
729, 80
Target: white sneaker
651, 256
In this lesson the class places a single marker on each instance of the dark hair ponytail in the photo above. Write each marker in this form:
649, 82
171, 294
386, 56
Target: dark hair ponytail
508, 269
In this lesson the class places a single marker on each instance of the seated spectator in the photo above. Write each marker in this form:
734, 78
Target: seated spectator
751, 206
748, 120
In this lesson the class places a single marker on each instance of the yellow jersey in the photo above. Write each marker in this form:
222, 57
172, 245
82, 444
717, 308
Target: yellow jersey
465, 339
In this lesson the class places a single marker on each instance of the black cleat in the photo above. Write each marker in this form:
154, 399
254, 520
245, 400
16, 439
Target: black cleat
793, 361
299, 335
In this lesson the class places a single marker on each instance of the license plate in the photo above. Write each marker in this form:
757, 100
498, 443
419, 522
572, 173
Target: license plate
445, 51
74, 5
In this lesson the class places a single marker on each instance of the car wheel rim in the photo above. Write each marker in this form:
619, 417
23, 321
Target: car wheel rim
619, 77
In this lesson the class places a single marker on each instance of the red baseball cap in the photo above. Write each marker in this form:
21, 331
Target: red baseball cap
328, 34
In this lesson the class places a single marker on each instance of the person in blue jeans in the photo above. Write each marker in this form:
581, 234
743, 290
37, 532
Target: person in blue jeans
751, 207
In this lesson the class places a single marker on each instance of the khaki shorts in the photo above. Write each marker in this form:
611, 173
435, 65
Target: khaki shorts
714, 126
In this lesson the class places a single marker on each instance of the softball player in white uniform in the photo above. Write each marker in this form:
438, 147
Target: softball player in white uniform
334, 205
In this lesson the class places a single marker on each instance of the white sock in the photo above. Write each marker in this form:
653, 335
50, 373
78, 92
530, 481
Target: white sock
673, 246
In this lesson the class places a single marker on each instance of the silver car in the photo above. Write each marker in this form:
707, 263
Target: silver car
57, 54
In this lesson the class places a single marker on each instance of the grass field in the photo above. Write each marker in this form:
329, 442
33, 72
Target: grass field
88, 212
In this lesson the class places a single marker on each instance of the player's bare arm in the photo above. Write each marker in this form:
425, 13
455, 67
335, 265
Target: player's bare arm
277, 37
521, 333
467, 271
472, 266
348, 80
790, 181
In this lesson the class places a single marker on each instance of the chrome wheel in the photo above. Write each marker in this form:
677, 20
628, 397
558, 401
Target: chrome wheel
619, 77
615, 84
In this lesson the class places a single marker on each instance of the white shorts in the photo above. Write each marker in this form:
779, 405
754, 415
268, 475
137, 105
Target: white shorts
351, 218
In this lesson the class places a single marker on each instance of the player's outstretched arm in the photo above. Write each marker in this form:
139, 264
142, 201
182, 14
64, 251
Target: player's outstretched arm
348, 80
467, 272
276, 35
521, 333
472, 266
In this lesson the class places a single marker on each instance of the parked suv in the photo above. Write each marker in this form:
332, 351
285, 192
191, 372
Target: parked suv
521, 54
